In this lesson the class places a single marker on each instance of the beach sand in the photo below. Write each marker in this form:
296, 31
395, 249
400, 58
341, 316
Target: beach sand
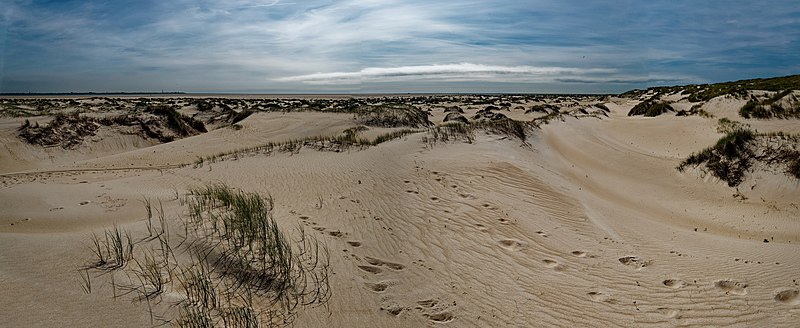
586, 223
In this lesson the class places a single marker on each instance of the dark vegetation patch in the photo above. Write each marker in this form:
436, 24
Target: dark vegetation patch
740, 149
466, 132
697, 109
543, 108
728, 159
602, 106
772, 107
69, 130
705, 92
392, 116
240, 116
65, 130
650, 108
489, 114
455, 117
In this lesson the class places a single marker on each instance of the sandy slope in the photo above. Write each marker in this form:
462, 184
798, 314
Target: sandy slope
588, 224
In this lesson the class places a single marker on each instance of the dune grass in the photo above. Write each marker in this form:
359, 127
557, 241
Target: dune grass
728, 159
458, 131
242, 269
733, 155
349, 139
650, 108
392, 116
112, 252
771, 107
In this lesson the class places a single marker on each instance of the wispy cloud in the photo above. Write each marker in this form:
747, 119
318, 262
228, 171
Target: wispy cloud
448, 72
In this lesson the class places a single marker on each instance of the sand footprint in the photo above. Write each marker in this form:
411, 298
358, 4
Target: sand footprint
674, 283
788, 296
554, 265
379, 262
377, 287
393, 309
669, 313
370, 269
511, 244
442, 317
427, 303
579, 253
731, 287
542, 233
634, 261
598, 297
354, 243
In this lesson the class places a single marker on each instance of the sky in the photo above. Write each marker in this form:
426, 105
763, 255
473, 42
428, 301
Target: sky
379, 46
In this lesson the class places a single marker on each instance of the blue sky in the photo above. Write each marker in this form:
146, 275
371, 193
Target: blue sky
363, 46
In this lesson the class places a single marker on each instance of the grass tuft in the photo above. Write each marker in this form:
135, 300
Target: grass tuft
650, 108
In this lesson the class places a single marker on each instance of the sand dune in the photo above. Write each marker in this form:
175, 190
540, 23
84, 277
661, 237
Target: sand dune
585, 223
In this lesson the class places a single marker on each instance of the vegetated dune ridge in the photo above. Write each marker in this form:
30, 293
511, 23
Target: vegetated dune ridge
586, 222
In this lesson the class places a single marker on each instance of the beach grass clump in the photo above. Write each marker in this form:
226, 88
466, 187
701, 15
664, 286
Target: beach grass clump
194, 317
696, 109
450, 132
458, 131
236, 234
182, 125
742, 150
240, 268
650, 108
729, 159
507, 127
112, 251
392, 116
725, 126
772, 107
65, 130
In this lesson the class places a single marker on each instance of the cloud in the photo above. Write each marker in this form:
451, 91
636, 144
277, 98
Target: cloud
447, 72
